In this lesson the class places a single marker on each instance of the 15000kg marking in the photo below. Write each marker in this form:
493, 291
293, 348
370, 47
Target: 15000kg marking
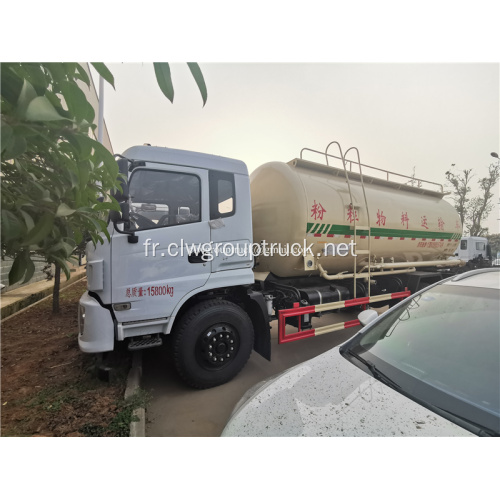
150, 291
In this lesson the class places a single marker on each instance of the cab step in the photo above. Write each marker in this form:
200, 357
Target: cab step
144, 342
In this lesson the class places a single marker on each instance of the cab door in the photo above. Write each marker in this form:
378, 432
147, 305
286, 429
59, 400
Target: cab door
169, 214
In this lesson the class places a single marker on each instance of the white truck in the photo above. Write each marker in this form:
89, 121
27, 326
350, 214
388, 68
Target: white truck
475, 251
205, 257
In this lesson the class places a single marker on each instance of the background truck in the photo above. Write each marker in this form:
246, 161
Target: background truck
205, 257
475, 251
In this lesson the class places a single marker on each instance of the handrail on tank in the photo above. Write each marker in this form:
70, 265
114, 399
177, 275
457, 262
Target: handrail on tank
367, 217
387, 172
342, 155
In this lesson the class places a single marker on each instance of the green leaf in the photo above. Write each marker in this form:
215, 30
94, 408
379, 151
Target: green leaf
105, 73
81, 142
28, 220
107, 205
90, 116
18, 269
46, 195
40, 109
42, 229
200, 81
63, 210
36, 76
68, 248
11, 225
30, 269
11, 84
27, 95
95, 223
15, 148
55, 100
75, 99
107, 159
74, 179
82, 74
78, 235
57, 72
63, 264
164, 79
6, 135
83, 171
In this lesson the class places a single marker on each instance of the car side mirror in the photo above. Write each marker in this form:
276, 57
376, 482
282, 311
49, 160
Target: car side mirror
366, 317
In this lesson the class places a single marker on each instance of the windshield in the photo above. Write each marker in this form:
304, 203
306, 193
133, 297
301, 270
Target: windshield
442, 347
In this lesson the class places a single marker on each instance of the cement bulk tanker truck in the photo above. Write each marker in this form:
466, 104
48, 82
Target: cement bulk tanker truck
204, 257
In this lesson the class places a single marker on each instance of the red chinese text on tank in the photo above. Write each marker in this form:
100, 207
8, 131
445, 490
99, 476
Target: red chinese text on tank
317, 211
404, 219
380, 218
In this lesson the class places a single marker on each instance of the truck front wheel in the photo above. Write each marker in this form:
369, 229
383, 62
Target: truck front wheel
212, 343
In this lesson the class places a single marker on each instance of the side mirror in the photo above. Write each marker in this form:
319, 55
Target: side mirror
118, 218
123, 166
456, 254
366, 317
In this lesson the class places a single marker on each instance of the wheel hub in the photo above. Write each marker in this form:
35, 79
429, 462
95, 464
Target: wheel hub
218, 346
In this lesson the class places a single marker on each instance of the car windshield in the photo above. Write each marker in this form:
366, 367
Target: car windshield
443, 348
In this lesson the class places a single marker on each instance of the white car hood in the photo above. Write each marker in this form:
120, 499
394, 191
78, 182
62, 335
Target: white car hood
329, 396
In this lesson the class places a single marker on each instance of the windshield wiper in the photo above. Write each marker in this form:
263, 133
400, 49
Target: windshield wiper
376, 373
474, 427
471, 426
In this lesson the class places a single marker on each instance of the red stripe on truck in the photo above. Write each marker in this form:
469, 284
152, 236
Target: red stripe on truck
353, 322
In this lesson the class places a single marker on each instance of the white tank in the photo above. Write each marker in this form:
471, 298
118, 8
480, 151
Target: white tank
305, 201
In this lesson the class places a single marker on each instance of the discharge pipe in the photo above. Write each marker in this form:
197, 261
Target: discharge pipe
392, 268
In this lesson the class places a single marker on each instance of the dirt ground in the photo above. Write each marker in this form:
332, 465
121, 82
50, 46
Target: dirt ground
49, 387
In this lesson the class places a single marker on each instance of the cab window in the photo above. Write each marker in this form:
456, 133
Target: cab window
222, 196
161, 199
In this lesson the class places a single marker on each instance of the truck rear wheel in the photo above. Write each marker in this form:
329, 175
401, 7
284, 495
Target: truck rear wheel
212, 343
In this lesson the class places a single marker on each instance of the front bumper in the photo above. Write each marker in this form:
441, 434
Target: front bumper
96, 329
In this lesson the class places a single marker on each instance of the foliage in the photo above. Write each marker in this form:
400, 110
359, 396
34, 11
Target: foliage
473, 210
54, 174
53, 171
164, 80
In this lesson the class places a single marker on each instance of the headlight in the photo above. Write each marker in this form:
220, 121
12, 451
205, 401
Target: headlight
81, 318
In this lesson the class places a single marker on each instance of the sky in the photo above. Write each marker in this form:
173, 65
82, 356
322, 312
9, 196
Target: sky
400, 116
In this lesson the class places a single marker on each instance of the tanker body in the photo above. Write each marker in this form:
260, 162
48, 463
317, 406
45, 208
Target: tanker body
178, 265
308, 202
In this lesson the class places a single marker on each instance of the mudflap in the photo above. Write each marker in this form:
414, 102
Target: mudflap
257, 310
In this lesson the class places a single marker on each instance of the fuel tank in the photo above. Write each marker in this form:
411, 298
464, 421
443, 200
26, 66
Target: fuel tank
307, 203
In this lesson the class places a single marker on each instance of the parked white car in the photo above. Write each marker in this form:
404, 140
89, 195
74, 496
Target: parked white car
429, 366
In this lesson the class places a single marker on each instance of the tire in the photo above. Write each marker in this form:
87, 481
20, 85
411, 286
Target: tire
212, 343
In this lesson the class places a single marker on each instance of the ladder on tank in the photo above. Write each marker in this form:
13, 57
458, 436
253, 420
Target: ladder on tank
352, 207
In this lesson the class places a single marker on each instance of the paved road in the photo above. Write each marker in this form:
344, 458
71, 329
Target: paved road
177, 410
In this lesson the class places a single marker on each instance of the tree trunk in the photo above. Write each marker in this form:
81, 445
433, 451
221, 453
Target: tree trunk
57, 284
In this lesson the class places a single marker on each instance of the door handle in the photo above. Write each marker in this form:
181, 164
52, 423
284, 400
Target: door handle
197, 258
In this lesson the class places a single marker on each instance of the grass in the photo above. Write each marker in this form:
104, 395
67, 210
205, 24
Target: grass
52, 398
120, 424
65, 397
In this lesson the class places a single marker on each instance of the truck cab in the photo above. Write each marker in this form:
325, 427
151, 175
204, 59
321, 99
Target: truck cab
475, 251
172, 266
